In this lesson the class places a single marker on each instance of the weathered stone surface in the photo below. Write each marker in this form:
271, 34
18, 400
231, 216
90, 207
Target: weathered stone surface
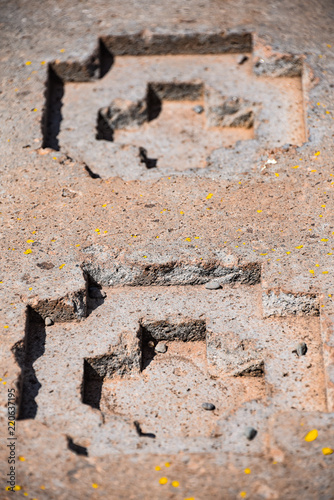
250, 208
222, 111
125, 114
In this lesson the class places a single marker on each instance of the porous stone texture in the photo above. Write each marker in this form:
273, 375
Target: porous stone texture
121, 203
225, 111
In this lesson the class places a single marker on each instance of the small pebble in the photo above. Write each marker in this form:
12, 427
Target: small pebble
198, 109
161, 347
212, 285
250, 433
48, 322
242, 58
300, 349
208, 406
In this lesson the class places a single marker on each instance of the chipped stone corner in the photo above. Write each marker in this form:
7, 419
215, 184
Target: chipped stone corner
280, 303
267, 62
69, 308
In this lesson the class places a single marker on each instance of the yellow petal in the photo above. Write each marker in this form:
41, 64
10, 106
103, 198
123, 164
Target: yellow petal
311, 436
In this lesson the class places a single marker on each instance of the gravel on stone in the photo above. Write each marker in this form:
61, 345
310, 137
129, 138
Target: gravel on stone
198, 109
212, 285
208, 406
161, 347
300, 349
250, 433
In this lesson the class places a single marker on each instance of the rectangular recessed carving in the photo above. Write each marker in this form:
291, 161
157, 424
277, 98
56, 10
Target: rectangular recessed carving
184, 100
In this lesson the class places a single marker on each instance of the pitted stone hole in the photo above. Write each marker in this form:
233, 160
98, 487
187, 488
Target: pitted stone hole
149, 162
76, 448
26, 353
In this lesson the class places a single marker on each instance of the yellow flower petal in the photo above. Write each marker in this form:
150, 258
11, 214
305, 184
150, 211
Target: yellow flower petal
27, 251
259, 211
209, 196
311, 436
247, 471
175, 484
327, 451
94, 485
163, 480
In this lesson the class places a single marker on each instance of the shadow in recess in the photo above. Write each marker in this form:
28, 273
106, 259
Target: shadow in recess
26, 353
52, 115
148, 344
106, 59
92, 386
